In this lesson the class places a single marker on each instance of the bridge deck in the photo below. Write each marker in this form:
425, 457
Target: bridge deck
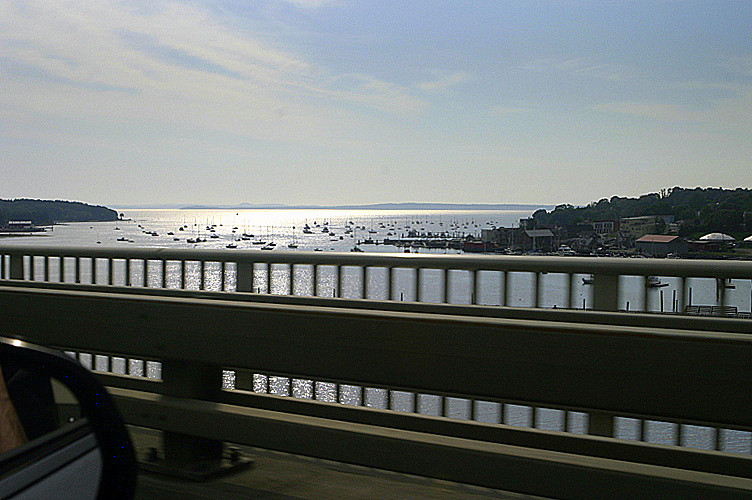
277, 475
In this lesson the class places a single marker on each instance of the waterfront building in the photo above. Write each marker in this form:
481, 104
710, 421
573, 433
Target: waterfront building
541, 240
20, 226
605, 226
646, 224
660, 245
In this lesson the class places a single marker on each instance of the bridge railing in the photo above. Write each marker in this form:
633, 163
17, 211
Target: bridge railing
490, 280
689, 378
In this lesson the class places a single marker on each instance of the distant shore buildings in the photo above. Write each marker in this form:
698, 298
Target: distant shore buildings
650, 235
20, 226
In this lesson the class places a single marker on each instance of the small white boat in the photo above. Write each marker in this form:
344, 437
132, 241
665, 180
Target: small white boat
654, 282
565, 250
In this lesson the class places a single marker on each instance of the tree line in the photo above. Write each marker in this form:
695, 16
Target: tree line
45, 212
698, 211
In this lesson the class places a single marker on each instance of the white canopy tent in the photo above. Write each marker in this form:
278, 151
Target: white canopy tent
717, 237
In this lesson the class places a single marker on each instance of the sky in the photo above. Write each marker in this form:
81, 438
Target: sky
341, 102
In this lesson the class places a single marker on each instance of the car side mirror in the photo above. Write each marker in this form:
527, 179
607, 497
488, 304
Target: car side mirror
60, 432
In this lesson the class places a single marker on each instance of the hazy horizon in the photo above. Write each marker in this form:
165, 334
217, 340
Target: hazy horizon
339, 102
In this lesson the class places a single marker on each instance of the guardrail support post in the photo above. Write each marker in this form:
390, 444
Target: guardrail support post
606, 292
244, 277
185, 455
16, 266
600, 424
244, 380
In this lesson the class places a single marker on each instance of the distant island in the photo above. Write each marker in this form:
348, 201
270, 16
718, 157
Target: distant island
47, 212
374, 206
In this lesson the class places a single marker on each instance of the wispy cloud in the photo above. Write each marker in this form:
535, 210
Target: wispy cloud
170, 53
378, 94
584, 66
443, 81
658, 111
511, 110
311, 4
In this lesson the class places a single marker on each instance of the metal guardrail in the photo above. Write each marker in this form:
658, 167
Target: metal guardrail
685, 376
251, 271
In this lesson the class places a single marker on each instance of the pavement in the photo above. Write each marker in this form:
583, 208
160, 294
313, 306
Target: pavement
276, 475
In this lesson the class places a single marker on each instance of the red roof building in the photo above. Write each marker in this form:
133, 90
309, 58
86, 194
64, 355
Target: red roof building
660, 245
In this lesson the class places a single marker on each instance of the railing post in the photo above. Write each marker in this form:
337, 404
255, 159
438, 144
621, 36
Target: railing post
606, 292
185, 454
244, 380
447, 281
600, 424
186, 380
244, 277
16, 266
476, 287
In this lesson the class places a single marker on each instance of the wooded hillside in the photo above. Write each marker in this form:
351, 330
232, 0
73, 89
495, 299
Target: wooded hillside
700, 210
44, 212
